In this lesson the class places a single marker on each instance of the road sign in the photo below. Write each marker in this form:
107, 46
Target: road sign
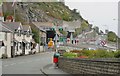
68, 40
103, 43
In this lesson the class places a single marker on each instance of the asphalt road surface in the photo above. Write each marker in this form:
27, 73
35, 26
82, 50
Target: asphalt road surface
30, 64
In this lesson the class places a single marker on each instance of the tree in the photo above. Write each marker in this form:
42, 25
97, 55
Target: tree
112, 36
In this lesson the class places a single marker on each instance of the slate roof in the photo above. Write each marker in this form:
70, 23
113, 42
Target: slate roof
41, 25
26, 28
13, 25
44, 24
5, 28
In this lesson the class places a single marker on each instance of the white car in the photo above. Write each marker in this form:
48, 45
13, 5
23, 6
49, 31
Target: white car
91, 48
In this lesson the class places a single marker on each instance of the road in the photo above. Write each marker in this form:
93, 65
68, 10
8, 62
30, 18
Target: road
30, 64
81, 46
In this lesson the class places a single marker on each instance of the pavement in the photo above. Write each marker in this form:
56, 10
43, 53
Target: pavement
51, 70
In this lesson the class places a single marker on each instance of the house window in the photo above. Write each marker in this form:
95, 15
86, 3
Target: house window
29, 45
20, 45
26, 46
17, 46
28, 33
16, 30
19, 32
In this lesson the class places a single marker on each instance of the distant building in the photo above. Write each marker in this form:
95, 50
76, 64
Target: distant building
41, 27
71, 25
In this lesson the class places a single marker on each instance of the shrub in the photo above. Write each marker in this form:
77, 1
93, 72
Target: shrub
117, 54
75, 51
100, 53
83, 57
97, 53
87, 53
70, 55
103, 54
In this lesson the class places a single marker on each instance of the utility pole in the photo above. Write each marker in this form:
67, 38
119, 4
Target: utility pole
39, 40
55, 37
14, 13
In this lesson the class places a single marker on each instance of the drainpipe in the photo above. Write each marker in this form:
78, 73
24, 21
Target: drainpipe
39, 41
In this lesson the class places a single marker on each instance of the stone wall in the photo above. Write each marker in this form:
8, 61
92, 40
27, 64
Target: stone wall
90, 66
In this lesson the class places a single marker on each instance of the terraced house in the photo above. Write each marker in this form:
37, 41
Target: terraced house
6, 36
20, 39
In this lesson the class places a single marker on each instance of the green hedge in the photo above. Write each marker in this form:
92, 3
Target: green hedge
69, 55
117, 54
94, 54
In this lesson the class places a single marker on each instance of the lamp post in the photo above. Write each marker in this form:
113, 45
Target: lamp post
117, 39
106, 32
55, 27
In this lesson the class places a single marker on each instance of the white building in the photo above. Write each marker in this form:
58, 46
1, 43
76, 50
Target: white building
6, 36
19, 41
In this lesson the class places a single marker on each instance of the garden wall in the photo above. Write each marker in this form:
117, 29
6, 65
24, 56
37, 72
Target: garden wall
89, 66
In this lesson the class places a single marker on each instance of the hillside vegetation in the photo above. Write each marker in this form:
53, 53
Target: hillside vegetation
41, 11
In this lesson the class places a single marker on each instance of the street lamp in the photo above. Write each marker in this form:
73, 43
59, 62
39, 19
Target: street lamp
117, 40
55, 28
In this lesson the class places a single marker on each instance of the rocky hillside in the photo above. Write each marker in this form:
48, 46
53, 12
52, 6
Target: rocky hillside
40, 12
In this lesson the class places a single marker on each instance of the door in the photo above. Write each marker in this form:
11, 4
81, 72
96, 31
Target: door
23, 50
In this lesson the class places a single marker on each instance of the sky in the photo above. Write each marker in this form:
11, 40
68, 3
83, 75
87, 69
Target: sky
101, 13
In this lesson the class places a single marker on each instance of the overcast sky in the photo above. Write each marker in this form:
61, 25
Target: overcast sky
101, 13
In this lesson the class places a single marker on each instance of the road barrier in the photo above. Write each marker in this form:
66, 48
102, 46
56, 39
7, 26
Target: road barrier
89, 66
